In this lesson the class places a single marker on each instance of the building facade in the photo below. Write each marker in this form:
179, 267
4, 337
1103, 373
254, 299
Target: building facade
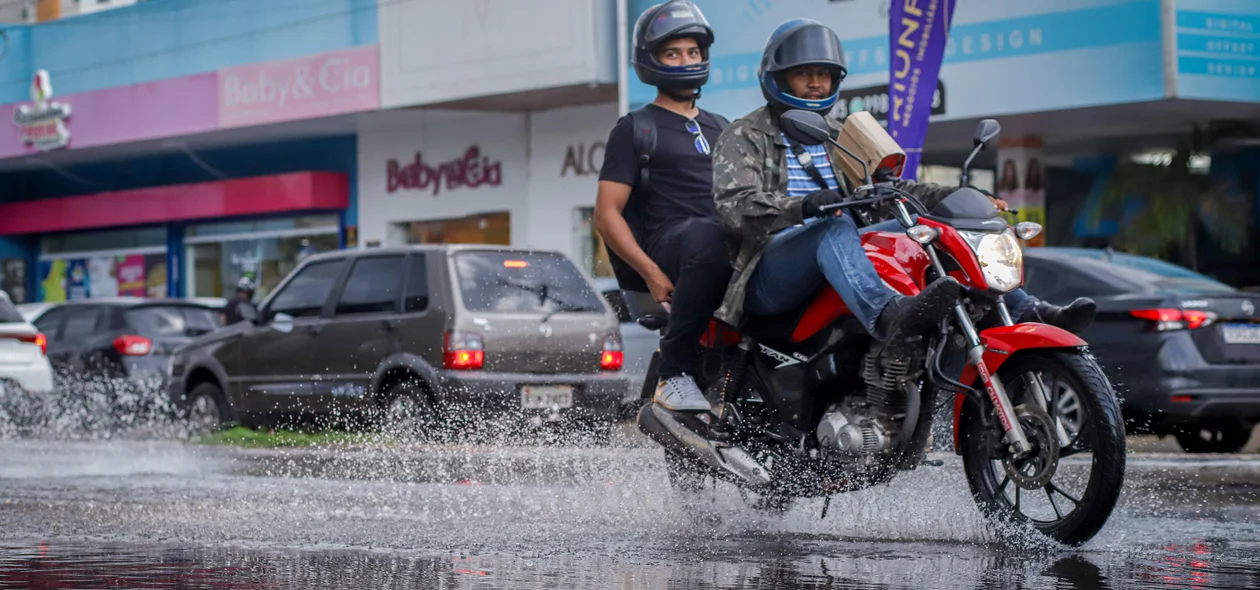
182, 158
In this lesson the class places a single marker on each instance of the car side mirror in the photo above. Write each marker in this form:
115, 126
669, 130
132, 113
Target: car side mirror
986, 132
805, 127
282, 322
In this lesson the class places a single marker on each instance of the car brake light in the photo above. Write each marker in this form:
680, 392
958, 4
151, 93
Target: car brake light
132, 345
463, 351
612, 356
515, 264
1169, 319
38, 339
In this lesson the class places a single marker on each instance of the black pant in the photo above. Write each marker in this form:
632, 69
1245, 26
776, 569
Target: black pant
692, 253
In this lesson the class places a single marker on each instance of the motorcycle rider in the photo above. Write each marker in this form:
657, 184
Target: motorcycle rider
771, 194
655, 211
244, 294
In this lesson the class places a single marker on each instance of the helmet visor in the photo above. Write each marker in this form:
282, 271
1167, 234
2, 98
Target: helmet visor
809, 45
674, 18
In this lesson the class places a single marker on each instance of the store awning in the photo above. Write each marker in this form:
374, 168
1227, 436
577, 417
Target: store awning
256, 195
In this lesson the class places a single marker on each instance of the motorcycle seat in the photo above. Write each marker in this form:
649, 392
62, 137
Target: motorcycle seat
645, 310
771, 327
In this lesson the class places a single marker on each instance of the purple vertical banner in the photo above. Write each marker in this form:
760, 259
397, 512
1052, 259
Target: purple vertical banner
917, 31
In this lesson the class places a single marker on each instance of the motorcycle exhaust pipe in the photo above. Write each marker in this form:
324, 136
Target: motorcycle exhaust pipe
657, 423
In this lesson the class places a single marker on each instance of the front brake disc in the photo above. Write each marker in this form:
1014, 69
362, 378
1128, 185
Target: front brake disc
1037, 468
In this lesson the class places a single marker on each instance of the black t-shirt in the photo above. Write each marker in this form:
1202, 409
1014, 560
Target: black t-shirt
681, 174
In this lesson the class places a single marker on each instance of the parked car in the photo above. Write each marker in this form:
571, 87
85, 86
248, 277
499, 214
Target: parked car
412, 331
638, 343
1182, 349
119, 337
23, 350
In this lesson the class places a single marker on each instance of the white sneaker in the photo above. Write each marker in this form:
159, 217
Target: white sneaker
681, 394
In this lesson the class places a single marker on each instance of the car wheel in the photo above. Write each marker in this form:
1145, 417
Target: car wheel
206, 411
1229, 437
409, 412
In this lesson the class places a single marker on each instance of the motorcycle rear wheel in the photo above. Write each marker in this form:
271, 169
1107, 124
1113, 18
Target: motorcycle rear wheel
1101, 435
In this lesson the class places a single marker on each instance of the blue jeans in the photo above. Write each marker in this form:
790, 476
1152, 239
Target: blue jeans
798, 260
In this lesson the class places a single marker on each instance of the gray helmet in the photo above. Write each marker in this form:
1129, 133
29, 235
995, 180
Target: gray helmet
660, 23
245, 284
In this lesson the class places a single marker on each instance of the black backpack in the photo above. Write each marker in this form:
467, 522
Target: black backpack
644, 125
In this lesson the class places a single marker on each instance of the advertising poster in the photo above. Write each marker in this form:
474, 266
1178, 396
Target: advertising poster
131, 276
77, 286
1021, 181
52, 280
102, 276
155, 275
14, 279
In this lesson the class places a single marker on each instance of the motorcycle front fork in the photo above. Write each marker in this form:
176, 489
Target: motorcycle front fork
1013, 432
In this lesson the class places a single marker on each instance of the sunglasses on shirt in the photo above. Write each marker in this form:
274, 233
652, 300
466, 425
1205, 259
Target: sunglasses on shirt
702, 144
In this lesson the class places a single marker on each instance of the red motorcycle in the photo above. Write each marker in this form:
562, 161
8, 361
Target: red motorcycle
805, 407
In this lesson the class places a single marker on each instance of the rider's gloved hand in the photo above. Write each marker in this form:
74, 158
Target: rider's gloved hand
814, 202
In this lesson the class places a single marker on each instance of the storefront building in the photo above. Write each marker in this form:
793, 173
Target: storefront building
524, 180
153, 176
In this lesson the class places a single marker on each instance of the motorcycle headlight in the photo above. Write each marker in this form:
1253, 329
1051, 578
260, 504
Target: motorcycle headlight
1000, 257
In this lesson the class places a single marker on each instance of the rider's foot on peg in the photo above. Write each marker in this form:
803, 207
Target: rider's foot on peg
907, 317
1073, 317
681, 394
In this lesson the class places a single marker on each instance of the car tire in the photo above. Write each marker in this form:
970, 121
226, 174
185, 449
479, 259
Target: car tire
1227, 437
408, 411
206, 409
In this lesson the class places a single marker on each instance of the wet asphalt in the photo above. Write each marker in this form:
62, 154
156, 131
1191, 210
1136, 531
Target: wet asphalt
152, 511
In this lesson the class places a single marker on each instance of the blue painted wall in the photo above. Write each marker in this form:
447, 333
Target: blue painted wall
162, 39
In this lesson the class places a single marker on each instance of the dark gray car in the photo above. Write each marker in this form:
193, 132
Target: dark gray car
427, 329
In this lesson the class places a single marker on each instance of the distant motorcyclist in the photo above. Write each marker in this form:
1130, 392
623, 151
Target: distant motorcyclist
244, 294
773, 193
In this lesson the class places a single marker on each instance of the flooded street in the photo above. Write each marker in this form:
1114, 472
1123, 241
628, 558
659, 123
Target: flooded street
164, 513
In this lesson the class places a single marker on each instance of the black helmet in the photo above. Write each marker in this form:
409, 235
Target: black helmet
800, 42
660, 23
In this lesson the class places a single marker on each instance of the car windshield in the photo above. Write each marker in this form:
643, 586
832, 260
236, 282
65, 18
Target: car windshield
172, 320
523, 283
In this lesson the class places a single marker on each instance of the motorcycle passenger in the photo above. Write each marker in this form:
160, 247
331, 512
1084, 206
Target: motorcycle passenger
661, 228
244, 294
768, 193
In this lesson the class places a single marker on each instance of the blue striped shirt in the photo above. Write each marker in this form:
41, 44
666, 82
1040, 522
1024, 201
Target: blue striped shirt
799, 181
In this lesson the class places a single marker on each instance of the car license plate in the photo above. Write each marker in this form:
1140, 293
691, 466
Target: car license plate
540, 397
1241, 333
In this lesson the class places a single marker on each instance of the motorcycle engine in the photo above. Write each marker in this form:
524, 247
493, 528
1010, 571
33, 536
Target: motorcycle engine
858, 426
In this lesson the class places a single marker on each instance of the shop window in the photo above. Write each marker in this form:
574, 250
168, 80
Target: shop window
263, 226
486, 228
105, 274
216, 266
591, 251
145, 237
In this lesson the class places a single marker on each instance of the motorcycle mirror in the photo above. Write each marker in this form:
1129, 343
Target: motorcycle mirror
805, 127
986, 132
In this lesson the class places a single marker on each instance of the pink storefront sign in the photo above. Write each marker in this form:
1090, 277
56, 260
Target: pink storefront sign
320, 85
166, 108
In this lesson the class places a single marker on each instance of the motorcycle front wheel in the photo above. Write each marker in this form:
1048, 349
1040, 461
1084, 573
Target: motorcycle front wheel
1065, 491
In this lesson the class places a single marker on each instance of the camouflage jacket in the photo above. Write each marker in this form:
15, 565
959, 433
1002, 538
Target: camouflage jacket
750, 192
